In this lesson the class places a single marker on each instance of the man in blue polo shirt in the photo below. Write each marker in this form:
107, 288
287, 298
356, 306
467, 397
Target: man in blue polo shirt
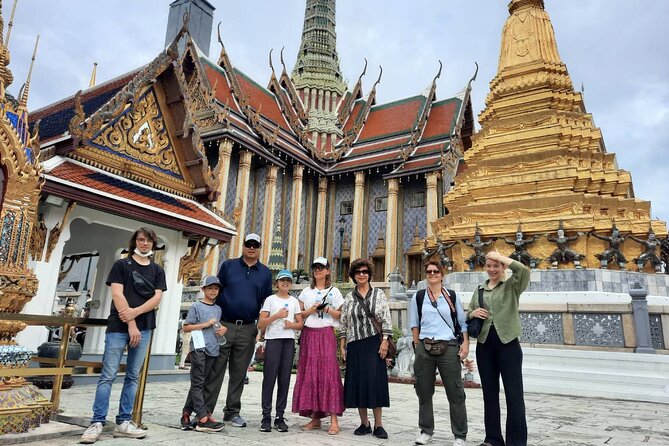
245, 283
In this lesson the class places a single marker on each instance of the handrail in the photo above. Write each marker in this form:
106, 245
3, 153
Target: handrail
60, 370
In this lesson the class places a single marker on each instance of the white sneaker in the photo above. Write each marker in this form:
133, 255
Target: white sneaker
92, 434
128, 429
459, 442
423, 438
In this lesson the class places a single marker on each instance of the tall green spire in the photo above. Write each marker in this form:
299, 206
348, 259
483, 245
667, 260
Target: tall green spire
317, 63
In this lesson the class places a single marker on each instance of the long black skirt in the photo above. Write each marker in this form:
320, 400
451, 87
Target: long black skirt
366, 381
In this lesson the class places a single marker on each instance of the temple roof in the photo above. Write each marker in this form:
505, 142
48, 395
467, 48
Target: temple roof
101, 190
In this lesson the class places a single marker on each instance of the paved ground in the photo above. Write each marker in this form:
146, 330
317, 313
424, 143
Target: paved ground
552, 420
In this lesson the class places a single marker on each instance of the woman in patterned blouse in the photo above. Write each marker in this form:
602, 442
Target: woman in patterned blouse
366, 381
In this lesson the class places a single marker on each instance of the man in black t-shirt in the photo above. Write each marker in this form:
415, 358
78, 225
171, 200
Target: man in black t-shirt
137, 285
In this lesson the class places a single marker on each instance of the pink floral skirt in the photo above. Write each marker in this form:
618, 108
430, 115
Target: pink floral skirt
318, 390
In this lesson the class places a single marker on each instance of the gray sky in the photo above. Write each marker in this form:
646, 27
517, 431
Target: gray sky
613, 47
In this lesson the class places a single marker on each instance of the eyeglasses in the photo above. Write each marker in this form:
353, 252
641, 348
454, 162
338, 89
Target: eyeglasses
252, 245
362, 271
432, 271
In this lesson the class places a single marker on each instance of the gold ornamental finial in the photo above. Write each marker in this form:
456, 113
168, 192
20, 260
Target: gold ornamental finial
93, 74
23, 97
6, 76
11, 23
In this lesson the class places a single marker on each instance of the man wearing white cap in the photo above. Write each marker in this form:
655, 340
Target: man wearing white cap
245, 283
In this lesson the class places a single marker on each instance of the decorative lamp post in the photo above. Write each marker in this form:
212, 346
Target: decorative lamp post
342, 227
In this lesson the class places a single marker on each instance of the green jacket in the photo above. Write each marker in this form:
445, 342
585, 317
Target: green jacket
502, 304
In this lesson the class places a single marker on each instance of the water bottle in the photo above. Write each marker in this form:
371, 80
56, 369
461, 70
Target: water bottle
221, 339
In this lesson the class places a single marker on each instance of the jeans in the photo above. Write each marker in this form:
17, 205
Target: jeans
115, 344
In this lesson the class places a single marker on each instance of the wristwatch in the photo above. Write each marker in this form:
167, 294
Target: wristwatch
385, 337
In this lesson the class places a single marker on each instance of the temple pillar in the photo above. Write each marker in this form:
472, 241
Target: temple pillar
241, 201
224, 154
392, 215
295, 218
358, 216
431, 201
319, 239
268, 213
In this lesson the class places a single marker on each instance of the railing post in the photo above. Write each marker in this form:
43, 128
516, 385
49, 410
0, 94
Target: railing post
641, 322
138, 406
58, 378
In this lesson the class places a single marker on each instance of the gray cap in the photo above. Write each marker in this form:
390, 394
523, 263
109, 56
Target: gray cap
321, 261
211, 280
253, 236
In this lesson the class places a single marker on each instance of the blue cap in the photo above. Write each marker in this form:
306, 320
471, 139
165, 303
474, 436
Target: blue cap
211, 280
284, 274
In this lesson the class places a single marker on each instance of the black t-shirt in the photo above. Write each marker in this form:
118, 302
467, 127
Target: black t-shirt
121, 272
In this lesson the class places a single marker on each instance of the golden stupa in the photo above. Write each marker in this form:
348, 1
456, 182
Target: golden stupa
539, 161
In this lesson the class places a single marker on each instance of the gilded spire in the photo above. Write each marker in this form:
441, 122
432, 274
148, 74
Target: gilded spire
23, 98
317, 63
6, 77
91, 83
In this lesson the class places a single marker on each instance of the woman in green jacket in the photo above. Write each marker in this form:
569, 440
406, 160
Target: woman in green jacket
498, 351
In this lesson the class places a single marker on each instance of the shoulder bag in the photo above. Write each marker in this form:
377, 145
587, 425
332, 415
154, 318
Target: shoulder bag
475, 325
392, 347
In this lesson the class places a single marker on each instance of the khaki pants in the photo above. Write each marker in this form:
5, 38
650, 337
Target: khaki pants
450, 371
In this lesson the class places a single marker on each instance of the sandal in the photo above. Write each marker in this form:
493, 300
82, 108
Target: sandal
312, 425
334, 430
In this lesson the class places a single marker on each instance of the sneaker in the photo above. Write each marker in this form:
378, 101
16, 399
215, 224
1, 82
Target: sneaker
92, 434
459, 442
209, 426
186, 423
266, 425
238, 421
280, 424
246, 380
380, 432
128, 429
423, 438
363, 430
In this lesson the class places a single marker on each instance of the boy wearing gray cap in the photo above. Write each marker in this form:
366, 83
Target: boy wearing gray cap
202, 322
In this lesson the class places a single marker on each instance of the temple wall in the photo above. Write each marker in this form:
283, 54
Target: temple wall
376, 220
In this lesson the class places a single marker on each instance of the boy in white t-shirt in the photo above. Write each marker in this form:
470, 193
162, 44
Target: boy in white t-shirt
279, 317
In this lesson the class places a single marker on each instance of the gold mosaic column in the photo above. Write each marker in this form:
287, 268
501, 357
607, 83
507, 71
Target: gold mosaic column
431, 200
224, 154
391, 226
241, 201
268, 212
358, 210
319, 244
295, 217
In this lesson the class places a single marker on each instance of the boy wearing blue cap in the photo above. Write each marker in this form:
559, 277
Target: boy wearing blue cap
279, 317
203, 323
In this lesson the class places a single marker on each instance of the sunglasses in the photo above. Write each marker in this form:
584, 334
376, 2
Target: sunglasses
432, 271
362, 271
318, 268
252, 245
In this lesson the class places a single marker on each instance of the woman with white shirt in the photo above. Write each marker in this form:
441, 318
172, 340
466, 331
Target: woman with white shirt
318, 389
438, 325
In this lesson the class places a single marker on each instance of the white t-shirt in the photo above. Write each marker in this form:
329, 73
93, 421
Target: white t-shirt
309, 296
273, 304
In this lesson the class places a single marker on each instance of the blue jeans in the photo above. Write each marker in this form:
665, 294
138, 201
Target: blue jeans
115, 344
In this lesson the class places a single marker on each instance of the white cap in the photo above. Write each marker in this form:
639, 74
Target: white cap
253, 236
320, 261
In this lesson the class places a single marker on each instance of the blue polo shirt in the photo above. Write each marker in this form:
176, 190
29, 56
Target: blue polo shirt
243, 290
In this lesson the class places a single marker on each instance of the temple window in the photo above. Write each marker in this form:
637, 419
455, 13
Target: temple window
380, 204
417, 200
346, 208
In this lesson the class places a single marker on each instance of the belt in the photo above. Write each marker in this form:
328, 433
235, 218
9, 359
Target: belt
239, 321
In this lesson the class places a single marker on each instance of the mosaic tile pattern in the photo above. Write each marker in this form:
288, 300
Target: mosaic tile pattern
303, 221
599, 329
376, 220
541, 328
6, 236
285, 225
230, 195
656, 333
345, 190
256, 206
250, 204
